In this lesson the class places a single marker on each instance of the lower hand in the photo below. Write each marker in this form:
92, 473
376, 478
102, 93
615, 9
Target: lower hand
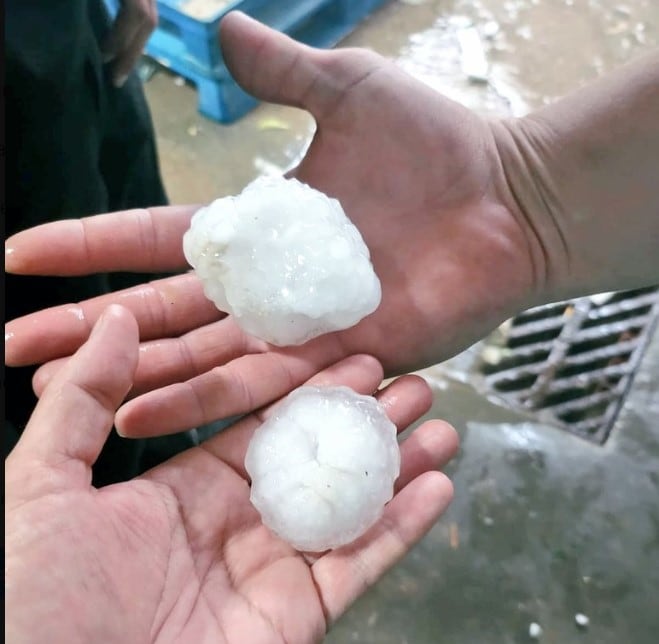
180, 554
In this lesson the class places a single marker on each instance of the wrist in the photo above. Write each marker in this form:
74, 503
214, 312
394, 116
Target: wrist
528, 190
581, 177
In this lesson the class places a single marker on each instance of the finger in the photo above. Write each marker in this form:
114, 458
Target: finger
168, 360
236, 388
130, 54
275, 68
162, 308
361, 373
431, 446
344, 574
131, 240
126, 24
44, 374
71, 422
405, 400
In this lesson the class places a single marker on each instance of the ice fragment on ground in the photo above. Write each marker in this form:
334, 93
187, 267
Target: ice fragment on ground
581, 620
535, 631
473, 61
323, 467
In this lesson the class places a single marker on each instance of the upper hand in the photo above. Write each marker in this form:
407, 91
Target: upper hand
180, 554
418, 174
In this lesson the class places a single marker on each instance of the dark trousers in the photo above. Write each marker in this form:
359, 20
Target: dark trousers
75, 146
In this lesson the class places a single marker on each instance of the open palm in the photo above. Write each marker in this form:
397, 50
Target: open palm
180, 554
417, 173
419, 176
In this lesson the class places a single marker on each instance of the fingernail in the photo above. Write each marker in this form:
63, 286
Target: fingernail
120, 80
10, 259
98, 326
109, 312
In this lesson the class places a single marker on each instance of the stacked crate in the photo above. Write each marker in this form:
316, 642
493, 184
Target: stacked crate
187, 41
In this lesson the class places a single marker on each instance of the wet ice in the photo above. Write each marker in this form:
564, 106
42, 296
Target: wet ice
284, 260
323, 467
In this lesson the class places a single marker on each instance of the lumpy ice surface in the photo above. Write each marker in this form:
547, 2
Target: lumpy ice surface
323, 467
284, 259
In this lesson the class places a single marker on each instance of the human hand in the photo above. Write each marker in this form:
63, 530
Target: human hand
180, 554
124, 44
419, 176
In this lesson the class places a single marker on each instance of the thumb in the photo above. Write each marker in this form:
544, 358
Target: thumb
277, 69
73, 418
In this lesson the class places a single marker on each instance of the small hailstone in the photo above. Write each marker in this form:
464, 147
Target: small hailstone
323, 467
284, 260
535, 631
581, 620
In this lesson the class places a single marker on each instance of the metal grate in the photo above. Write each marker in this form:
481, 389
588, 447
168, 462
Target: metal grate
571, 363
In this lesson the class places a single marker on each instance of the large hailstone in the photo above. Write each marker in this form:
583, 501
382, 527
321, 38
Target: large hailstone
284, 260
323, 467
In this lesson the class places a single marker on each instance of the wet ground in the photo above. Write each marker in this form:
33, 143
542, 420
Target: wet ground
537, 50
545, 525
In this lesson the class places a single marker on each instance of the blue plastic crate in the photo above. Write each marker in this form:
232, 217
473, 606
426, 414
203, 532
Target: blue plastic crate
187, 41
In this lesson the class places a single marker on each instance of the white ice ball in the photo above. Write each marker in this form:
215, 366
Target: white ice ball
323, 467
284, 260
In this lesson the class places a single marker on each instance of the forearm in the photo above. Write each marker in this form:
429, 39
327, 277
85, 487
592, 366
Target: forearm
583, 174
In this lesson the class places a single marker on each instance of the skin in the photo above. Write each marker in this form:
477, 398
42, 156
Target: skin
495, 223
180, 554
468, 222
134, 23
448, 220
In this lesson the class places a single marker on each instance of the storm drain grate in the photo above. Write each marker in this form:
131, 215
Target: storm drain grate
571, 363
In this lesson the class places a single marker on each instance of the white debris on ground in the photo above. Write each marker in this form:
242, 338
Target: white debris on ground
473, 62
452, 58
535, 631
581, 620
601, 298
